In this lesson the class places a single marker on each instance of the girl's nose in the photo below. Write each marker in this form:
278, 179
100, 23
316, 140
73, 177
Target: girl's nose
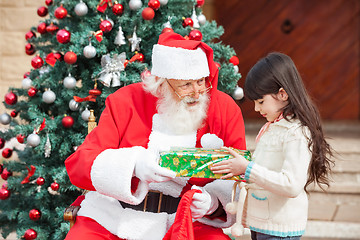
256, 107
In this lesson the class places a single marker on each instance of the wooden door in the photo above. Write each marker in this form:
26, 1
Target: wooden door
321, 36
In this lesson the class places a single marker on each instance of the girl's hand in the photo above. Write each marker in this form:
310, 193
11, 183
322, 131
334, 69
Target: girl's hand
234, 166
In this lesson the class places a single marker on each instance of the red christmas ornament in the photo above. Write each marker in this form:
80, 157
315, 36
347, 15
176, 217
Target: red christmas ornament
26, 75
195, 35
51, 58
1, 169
2, 143
40, 181
167, 30
34, 214
95, 92
37, 62
70, 57
20, 138
188, 22
60, 12
55, 186
199, 3
29, 49
42, 11
6, 174
118, 9
148, 13
41, 28
30, 234
63, 36
4, 193
11, 98
52, 28
67, 122
32, 91
48, 2
14, 113
30, 34
105, 26
234, 60
154, 4
6, 153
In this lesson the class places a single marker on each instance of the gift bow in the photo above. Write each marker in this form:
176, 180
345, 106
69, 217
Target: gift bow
101, 7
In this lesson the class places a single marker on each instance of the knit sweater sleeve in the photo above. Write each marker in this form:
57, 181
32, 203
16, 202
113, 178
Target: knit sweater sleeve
292, 177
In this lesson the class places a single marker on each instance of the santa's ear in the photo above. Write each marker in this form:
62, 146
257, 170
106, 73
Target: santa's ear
282, 94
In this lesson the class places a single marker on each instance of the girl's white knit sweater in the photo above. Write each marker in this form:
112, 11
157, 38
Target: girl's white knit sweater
276, 202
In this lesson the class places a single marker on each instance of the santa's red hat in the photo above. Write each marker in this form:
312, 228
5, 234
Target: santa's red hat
175, 57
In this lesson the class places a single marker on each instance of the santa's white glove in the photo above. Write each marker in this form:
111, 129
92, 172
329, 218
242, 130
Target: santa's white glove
147, 169
203, 203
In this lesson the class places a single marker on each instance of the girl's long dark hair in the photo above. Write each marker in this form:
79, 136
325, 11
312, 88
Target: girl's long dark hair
276, 71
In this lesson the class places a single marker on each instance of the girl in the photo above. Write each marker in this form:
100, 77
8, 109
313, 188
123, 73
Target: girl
291, 152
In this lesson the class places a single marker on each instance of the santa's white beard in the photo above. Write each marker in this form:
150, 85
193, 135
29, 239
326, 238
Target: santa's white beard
179, 117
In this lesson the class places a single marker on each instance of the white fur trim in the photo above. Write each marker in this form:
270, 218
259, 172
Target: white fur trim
161, 138
211, 141
125, 223
179, 63
172, 188
116, 166
222, 189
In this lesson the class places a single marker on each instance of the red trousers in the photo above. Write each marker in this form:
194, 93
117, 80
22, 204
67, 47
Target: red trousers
86, 228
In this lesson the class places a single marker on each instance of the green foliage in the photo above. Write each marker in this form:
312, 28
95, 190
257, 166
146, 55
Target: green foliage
14, 211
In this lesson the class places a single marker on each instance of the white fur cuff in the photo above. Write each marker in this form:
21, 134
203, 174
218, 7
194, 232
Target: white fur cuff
112, 172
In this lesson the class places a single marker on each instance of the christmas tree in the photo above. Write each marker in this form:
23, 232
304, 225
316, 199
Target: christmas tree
83, 51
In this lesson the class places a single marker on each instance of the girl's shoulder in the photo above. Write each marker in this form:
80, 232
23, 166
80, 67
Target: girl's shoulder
293, 128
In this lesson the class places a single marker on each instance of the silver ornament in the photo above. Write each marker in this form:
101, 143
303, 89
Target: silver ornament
49, 97
135, 41
202, 19
120, 39
135, 4
5, 119
85, 115
69, 82
238, 93
195, 19
73, 105
47, 147
89, 51
81, 9
33, 140
26, 83
163, 2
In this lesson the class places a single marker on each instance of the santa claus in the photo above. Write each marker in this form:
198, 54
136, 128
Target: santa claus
178, 105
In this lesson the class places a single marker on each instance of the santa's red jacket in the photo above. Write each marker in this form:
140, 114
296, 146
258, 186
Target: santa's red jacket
129, 129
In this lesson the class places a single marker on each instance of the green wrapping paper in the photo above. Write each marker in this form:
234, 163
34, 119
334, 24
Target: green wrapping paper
195, 162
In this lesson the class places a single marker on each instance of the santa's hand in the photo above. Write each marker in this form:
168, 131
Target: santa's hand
203, 203
147, 169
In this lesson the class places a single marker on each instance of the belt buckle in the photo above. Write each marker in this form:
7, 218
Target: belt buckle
160, 200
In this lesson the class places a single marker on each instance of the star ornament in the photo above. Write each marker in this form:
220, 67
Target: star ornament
135, 41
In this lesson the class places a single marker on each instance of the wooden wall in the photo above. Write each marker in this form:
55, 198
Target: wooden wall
323, 40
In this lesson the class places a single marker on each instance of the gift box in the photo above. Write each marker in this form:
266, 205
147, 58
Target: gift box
195, 162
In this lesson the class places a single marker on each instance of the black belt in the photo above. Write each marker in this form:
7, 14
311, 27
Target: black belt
155, 202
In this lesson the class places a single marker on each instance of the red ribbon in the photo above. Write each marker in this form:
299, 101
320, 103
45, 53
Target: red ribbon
99, 35
31, 172
41, 127
91, 98
101, 7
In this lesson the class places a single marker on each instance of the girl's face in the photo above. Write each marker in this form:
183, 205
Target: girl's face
270, 105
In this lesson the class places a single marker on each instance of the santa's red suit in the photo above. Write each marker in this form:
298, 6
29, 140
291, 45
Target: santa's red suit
130, 129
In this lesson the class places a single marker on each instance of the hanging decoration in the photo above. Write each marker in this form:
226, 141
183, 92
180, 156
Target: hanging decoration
42, 11
69, 82
48, 96
135, 41
111, 68
73, 105
120, 39
41, 28
10, 98
187, 22
5, 119
37, 62
47, 147
30, 234
33, 139
2, 144
34, 214
31, 172
67, 122
195, 20
238, 93
81, 9
63, 36
85, 115
20, 138
60, 12
52, 28
4, 193
7, 152
103, 4
118, 9
135, 4
70, 57
105, 26
32, 91
89, 51
29, 49
6, 174
26, 83
51, 58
